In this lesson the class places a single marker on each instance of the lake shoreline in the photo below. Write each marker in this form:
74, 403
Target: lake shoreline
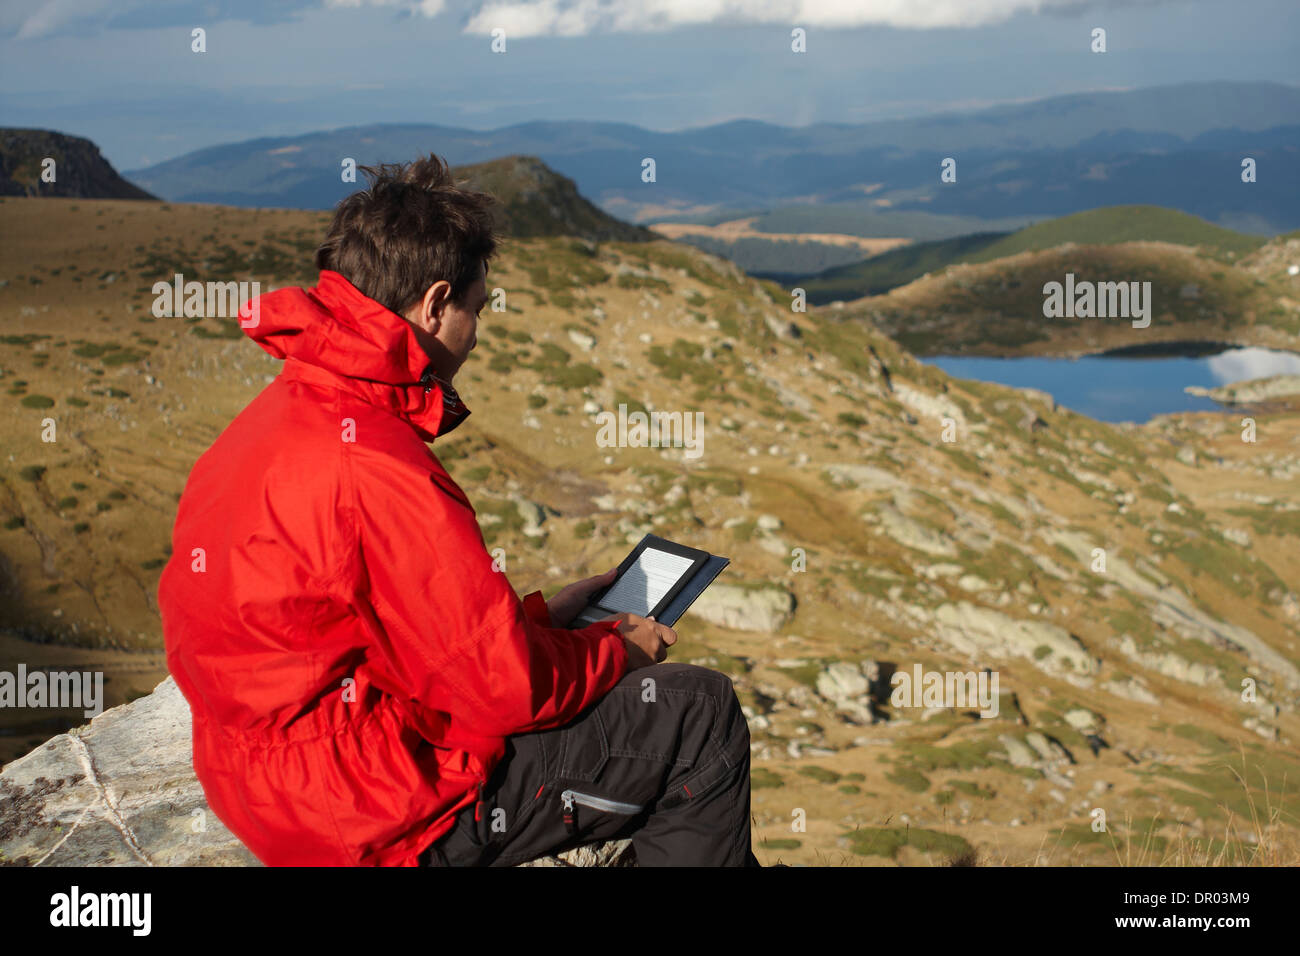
1133, 383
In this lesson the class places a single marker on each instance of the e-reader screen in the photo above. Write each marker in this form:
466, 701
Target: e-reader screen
646, 582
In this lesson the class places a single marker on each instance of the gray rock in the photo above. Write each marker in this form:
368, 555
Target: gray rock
1170, 664
1254, 390
121, 791
1131, 689
1047, 750
1038, 395
842, 681
930, 406
864, 476
1177, 612
849, 688
1237, 536
612, 853
1082, 719
980, 631
913, 534
582, 340
534, 516
1017, 752
744, 609
782, 328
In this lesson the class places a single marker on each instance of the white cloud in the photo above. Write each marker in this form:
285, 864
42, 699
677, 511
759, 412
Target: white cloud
1239, 365
426, 8
528, 18
43, 19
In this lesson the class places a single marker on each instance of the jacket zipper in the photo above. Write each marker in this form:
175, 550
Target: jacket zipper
571, 797
478, 802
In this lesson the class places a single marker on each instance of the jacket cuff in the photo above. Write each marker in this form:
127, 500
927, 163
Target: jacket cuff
535, 608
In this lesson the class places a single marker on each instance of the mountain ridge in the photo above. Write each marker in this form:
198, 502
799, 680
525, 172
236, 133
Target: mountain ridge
755, 164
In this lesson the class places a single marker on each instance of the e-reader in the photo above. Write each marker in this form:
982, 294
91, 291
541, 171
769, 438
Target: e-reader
660, 578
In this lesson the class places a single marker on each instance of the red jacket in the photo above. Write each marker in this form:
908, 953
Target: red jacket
352, 660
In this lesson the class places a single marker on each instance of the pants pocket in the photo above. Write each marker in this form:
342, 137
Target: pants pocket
585, 749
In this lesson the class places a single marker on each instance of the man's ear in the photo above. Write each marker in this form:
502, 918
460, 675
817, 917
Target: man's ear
427, 313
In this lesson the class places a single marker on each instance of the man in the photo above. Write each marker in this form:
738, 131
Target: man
365, 687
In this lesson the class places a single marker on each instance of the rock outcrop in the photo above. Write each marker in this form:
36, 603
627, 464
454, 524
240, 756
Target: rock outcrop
744, 609
1248, 392
121, 791
79, 170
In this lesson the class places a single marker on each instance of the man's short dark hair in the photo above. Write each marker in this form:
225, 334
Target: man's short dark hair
411, 227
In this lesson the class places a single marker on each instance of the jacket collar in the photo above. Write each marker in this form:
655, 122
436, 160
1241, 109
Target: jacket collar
333, 334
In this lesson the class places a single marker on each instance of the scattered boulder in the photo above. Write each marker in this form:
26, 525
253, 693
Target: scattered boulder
1131, 689
1082, 719
930, 406
979, 631
1017, 752
913, 534
582, 340
849, 688
1170, 664
782, 328
744, 609
863, 476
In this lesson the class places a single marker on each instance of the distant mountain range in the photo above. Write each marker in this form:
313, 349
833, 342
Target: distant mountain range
79, 171
1179, 146
532, 200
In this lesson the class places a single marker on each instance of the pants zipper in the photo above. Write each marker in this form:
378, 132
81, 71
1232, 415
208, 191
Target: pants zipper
572, 797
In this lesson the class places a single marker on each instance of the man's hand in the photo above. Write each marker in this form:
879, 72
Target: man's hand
566, 605
647, 640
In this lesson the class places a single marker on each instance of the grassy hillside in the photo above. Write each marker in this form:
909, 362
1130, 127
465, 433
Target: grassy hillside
1117, 224
889, 270
824, 475
1109, 226
996, 308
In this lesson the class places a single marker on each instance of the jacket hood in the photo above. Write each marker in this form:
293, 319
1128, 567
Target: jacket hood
366, 348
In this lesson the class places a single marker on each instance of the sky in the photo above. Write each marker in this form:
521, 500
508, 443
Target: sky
123, 72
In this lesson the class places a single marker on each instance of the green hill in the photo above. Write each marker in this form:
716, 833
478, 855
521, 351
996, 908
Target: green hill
889, 270
1096, 227
1115, 224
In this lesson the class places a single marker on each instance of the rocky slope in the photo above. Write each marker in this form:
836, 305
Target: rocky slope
863, 541
79, 170
536, 201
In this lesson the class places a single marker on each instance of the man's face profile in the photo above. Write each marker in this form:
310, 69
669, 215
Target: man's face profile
447, 329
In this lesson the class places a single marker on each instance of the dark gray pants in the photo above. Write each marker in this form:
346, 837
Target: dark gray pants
662, 758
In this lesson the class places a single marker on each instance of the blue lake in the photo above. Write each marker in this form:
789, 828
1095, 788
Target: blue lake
1127, 387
